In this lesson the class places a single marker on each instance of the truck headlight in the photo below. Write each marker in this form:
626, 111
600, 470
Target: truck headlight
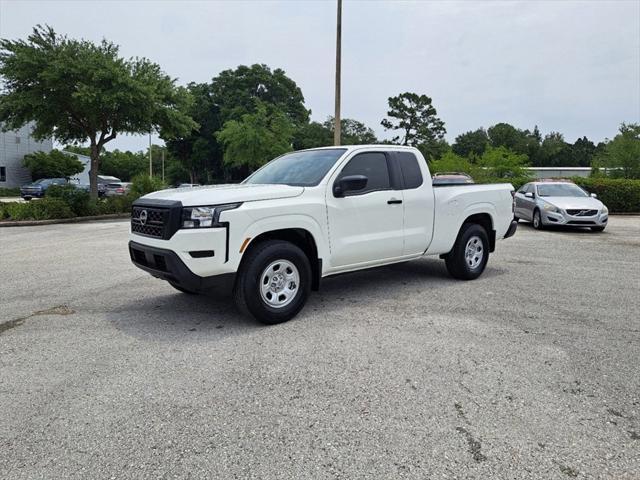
551, 208
205, 217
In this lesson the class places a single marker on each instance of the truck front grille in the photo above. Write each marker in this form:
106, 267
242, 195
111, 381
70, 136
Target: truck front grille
582, 213
149, 221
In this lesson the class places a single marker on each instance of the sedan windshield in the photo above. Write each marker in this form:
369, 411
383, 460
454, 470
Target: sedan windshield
561, 190
303, 169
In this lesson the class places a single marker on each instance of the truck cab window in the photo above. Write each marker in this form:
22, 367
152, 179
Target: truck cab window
372, 165
410, 168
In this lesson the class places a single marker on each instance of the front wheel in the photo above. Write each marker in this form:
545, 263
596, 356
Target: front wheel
274, 281
537, 220
470, 253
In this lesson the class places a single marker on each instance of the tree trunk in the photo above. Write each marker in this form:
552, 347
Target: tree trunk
93, 172
192, 176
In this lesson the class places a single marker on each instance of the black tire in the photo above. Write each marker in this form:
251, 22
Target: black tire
456, 261
247, 290
183, 290
537, 220
597, 229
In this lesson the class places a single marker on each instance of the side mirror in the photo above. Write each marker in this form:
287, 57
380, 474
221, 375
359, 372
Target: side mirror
529, 194
594, 195
350, 183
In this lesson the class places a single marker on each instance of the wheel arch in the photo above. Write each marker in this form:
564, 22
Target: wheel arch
485, 220
298, 236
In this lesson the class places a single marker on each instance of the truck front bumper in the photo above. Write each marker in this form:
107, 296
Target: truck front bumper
167, 265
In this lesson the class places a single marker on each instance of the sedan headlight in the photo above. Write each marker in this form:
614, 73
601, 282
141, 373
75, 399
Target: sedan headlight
551, 208
205, 217
604, 209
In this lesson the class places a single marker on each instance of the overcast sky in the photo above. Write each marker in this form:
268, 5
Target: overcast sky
567, 66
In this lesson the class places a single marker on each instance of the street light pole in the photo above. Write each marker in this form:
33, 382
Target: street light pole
150, 160
336, 118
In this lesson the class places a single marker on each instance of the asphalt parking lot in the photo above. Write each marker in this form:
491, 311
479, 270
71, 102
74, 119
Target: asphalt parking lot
531, 371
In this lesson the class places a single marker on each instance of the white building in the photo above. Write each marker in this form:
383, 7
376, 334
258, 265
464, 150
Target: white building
14, 145
559, 172
81, 178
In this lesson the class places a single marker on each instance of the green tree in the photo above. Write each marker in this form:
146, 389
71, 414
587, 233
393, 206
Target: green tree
553, 152
256, 138
352, 132
123, 165
516, 140
433, 149
506, 135
315, 134
470, 144
312, 135
452, 162
77, 91
582, 153
237, 92
500, 162
53, 164
198, 151
623, 152
415, 117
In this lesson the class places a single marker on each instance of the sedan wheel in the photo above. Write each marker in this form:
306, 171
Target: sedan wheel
537, 220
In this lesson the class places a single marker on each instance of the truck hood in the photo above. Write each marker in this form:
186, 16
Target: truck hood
221, 194
574, 203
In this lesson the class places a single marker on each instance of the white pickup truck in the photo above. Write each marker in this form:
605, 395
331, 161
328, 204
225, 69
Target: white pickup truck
311, 214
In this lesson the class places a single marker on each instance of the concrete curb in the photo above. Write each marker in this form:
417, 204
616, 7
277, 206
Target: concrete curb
35, 223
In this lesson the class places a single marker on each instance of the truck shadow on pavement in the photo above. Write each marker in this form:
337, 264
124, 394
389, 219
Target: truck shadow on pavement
169, 315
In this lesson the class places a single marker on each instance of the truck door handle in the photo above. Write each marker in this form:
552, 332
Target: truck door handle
393, 201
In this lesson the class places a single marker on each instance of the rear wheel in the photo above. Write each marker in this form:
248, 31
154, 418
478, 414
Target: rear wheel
597, 229
468, 258
537, 220
274, 281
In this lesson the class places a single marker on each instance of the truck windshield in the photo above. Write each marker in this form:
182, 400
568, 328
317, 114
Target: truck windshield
303, 169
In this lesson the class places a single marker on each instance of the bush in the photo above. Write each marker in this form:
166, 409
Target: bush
45, 209
143, 184
77, 199
9, 192
120, 204
618, 194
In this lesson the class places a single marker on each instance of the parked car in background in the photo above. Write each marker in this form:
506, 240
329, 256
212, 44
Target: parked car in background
116, 189
451, 178
87, 188
38, 188
559, 203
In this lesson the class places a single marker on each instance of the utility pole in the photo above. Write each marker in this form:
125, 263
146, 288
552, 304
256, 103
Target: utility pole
336, 118
163, 164
150, 160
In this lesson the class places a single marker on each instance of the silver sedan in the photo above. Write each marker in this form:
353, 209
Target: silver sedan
559, 203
